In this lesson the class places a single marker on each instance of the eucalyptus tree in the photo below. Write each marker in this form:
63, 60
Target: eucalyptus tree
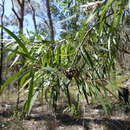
52, 36
68, 17
33, 10
18, 8
2, 8
19, 13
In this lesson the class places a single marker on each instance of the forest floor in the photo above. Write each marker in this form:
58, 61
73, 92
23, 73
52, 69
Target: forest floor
42, 118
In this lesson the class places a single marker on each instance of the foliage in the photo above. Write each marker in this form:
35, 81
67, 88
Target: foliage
83, 65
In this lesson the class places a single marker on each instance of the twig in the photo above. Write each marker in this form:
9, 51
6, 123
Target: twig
15, 14
14, 10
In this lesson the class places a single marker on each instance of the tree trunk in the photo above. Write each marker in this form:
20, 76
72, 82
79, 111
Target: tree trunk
20, 13
33, 16
20, 17
50, 20
21, 20
2, 44
21, 26
34, 20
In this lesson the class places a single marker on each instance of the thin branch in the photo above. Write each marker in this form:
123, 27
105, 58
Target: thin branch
14, 10
15, 14
1, 5
45, 21
19, 14
19, 2
3, 2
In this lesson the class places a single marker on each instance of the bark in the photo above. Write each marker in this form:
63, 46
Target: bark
22, 7
50, 20
2, 44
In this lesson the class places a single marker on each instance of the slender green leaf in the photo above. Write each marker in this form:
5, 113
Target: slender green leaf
21, 44
12, 78
29, 103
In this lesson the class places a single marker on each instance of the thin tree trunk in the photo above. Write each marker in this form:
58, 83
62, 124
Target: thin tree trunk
22, 6
50, 20
20, 18
21, 21
2, 44
20, 13
34, 20
33, 16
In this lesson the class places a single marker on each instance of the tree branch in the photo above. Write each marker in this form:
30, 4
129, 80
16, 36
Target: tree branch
15, 14
1, 5
14, 10
19, 2
20, 13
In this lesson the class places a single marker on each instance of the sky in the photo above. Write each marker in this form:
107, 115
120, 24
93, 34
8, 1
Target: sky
7, 7
28, 18
28, 23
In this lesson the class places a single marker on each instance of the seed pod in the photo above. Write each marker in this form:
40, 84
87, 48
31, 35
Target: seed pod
71, 72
